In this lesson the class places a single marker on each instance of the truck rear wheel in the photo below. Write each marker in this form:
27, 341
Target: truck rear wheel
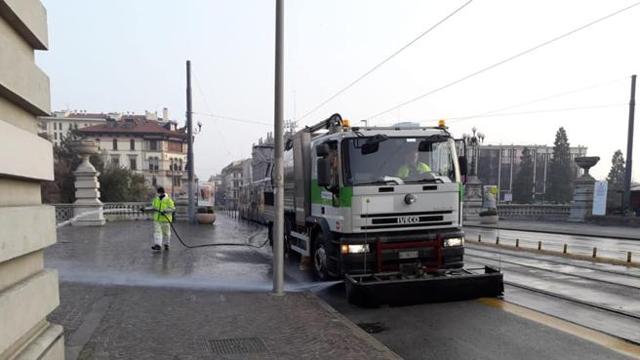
320, 257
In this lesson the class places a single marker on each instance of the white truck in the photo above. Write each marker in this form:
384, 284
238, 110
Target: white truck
381, 206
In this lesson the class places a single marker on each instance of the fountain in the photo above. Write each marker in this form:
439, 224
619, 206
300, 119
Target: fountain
87, 208
583, 193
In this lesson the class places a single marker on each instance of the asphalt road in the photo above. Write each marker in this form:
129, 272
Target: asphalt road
119, 254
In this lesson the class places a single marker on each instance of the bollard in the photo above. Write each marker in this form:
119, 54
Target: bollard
497, 240
517, 242
564, 249
479, 237
628, 256
595, 252
539, 245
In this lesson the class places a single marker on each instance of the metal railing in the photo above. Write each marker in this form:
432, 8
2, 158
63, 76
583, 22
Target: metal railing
534, 211
64, 212
124, 211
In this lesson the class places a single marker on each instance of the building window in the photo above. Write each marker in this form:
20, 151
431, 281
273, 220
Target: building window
132, 144
115, 160
75, 126
154, 164
153, 145
55, 136
115, 144
133, 163
154, 181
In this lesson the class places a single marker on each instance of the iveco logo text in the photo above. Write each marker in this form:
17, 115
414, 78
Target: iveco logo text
408, 220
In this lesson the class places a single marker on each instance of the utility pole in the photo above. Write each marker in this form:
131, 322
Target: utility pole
627, 170
278, 226
191, 208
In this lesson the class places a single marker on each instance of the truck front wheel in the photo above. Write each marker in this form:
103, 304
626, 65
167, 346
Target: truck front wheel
320, 256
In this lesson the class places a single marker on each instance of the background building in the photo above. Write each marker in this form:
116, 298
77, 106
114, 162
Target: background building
28, 292
262, 158
155, 149
499, 165
232, 182
58, 125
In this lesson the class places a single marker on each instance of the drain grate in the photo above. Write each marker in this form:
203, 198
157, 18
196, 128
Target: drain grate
237, 346
373, 328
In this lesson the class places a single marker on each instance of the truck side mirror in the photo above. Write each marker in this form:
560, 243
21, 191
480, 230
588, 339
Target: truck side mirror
322, 150
462, 161
324, 172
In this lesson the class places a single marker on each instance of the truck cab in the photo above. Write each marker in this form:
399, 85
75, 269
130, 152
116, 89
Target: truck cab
362, 200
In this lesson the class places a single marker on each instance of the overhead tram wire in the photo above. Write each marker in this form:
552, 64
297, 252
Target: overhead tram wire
206, 104
385, 60
224, 117
542, 111
504, 61
530, 102
549, 97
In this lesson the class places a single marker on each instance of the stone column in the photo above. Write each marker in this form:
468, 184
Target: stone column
472, 199
583, 193
87, 209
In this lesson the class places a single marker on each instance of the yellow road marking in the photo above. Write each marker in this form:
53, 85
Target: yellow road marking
593, 336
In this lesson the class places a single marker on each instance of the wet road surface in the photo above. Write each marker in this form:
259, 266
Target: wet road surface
119, 254
600, 297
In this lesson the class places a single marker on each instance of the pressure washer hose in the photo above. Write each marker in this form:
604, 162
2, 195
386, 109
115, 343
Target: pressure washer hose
211, 244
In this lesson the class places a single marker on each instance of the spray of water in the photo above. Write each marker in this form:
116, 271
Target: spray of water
93, 212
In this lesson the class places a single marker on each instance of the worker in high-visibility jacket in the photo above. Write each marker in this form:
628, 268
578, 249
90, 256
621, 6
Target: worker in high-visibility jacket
411, 167
163, 208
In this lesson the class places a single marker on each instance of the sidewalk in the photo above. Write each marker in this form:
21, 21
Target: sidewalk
159, 323
566, 228
121, 301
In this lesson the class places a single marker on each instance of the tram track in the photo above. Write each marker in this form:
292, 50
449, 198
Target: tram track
546, 259
573, 300
553, 271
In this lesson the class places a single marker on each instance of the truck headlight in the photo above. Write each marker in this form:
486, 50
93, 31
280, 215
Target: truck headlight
355, 249
454, 242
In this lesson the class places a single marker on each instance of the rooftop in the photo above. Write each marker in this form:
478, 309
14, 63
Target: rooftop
134, 125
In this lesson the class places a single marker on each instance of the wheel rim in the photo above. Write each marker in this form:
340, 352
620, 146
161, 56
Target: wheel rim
320, 258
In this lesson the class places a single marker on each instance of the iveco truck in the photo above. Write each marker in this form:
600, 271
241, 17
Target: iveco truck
382, 207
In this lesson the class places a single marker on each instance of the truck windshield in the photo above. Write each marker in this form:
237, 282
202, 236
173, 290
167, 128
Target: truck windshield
399, 160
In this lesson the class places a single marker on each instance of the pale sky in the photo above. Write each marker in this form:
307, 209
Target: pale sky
123, 55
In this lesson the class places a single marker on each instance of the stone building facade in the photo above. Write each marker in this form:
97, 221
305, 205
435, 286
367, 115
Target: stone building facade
28, 291
155, 149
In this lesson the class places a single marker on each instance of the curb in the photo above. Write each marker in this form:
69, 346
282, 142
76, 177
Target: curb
602, 260
384, 351
617, 237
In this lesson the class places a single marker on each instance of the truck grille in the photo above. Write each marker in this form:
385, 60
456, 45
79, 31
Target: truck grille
404, 220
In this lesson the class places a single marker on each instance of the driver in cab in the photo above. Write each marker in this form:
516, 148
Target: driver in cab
411, 167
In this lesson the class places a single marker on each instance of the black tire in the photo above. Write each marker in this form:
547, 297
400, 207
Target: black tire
320, 257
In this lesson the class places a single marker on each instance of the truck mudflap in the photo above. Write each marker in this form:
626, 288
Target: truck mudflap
396, 288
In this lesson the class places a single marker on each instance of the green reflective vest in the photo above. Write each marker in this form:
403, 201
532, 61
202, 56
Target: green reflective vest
405, 170
163, 205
